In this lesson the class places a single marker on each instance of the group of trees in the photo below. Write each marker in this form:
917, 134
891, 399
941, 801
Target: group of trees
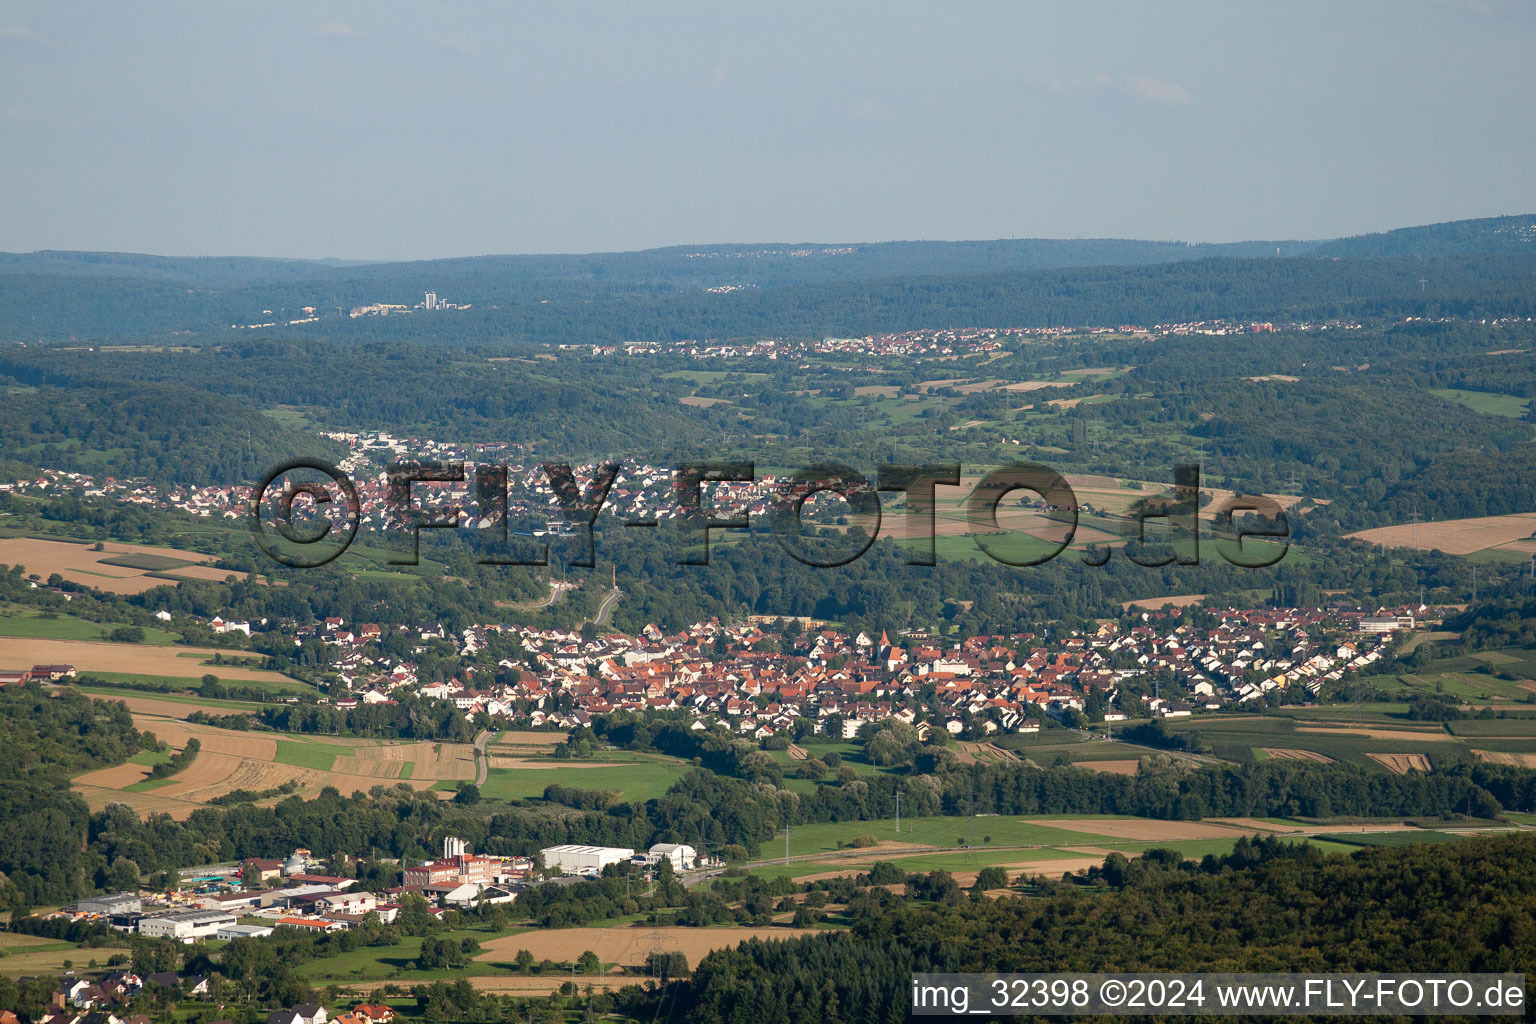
47, 737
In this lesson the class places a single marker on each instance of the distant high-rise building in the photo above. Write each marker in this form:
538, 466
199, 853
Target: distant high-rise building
431, 302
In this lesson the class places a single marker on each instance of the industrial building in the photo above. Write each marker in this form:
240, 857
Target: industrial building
115, 903
573, 859
186, 925
456, 867
683, 857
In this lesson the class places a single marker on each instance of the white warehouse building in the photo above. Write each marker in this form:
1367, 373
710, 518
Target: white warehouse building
683, 858
186, 925
573, 859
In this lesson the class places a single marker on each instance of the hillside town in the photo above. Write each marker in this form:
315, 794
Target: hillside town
767, 679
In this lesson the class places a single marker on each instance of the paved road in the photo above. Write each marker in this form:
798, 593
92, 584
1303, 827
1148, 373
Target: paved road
606, 608
482, 760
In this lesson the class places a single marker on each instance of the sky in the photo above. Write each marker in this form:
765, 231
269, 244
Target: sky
388, 130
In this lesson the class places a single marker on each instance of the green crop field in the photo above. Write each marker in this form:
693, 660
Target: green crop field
634, 782
1243, 737
1010, 830
1393, 839
1490, 403
146, 785
146, 561
171, 698
389, 963
29, 624
303, 754
1515, 727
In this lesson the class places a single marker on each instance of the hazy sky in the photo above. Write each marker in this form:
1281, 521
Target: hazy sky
393, 130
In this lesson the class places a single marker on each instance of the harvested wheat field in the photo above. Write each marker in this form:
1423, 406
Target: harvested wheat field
1288, 754
1127, 766
983, 753
1141, 828
1401, 764
1048, 868
1152, 604
1435, 736
79, 564
1454, 536
231, 760
1499, 757
138, 659
627, 946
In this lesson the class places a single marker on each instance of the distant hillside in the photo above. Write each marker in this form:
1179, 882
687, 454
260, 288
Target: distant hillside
773, 289
201, 272
686, 267
1493, 235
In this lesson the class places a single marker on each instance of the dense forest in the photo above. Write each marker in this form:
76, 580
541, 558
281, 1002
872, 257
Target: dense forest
1269, 906
48, 737
166, 433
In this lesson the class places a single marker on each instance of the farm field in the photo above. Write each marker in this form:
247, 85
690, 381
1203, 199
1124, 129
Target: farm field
635, 777
387, 963
1288, 754
1191, 839
133, 660
28, 623
1055, 831
118, 568
35, 954
626, 945
230, 760
1046, 747
1512, 533
851, 754
1490, 403
1402, 764
1346, 734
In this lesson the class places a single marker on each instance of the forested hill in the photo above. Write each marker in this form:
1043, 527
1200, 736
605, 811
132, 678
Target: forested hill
1508, 235
681, 266
1270, 906
168, 433
44, 307
782, 289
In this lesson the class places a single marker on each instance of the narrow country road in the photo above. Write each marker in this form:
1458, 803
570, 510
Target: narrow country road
482, 759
